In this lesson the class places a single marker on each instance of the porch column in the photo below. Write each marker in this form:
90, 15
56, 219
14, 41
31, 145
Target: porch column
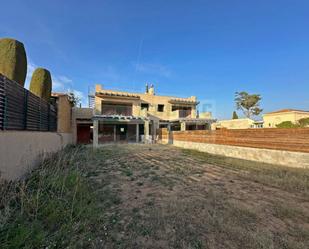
154, 132
146, 131
169, 127
115, 135
183, 126
137, 133
95, 133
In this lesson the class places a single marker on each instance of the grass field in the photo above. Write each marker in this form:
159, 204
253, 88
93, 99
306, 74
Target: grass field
155, 196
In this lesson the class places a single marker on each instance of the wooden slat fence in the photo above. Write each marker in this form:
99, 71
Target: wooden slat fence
296, 139
2, 102
22, 110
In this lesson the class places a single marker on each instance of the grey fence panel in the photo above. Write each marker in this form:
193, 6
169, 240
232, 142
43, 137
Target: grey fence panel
14, 106
33, 112
22, 110
2, 101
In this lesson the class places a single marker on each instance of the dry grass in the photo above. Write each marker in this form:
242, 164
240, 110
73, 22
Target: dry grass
134, 196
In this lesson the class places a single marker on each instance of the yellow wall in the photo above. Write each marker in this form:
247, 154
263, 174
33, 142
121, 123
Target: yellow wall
242, 123
272, 119
64, 114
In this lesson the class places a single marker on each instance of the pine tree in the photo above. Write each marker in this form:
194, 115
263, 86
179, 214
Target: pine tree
235, 116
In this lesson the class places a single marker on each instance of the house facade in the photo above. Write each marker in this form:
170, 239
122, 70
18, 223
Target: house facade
272, 119
134, 117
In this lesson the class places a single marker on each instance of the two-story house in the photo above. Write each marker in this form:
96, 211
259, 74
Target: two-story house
132, 117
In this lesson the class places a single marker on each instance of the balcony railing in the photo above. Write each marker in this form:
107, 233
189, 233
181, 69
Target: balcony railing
184, 113
181, 114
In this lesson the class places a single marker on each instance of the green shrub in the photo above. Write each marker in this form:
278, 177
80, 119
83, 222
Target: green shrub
13, 60
235, 116
304, 122
41, 83
287, 124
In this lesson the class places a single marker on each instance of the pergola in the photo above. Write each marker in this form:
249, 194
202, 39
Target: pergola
116, 120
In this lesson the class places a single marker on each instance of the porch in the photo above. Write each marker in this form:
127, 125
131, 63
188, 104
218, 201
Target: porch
119, 129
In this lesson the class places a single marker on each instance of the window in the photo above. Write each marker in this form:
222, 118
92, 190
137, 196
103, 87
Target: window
145, 106
160, 108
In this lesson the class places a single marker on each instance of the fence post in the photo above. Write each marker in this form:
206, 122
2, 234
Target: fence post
25, 109
39, 124
48, 117
2, 99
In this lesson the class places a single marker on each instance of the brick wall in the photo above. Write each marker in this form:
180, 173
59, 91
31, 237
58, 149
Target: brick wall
277, 139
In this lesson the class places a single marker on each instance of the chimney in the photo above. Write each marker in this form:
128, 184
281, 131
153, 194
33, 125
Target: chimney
98, 88
151, 90
147, 88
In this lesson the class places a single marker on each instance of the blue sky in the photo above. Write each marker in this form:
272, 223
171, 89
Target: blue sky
210, 49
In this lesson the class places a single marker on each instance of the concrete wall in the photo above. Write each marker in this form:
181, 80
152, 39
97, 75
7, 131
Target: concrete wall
22, 150
64, 114
242, 123
279, 157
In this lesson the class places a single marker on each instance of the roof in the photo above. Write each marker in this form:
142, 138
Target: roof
117, 94
237, 120
112, 93
195, 120
119, 118
286, 110
54, 94
183, 101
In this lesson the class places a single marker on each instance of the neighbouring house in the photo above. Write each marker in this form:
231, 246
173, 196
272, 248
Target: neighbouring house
272, 119
241, 123
119, 116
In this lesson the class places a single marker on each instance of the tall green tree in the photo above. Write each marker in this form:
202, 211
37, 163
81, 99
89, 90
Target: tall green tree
249, 104
235, 116
13, 60
41, 83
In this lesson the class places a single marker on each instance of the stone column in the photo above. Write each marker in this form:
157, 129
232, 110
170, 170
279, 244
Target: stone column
95, 133
115, 133
183, 126
137, 133
146, 130
169, 127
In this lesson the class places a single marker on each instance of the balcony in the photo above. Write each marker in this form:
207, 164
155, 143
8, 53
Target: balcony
113, 109
180, 114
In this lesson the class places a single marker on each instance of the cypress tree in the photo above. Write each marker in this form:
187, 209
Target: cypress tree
41, 83
13, 60
235, 116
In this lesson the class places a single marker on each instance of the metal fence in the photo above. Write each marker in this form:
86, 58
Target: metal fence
22, 110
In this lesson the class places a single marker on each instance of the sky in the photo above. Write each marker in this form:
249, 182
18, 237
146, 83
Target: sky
209, 49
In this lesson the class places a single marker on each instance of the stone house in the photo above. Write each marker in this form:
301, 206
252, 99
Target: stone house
119, 116
271, 119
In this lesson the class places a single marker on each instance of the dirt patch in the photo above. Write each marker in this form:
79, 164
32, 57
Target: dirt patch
171, 198
155, 196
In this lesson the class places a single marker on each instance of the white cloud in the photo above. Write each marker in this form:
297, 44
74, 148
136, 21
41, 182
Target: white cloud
65, 79
60, 83
152, 68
